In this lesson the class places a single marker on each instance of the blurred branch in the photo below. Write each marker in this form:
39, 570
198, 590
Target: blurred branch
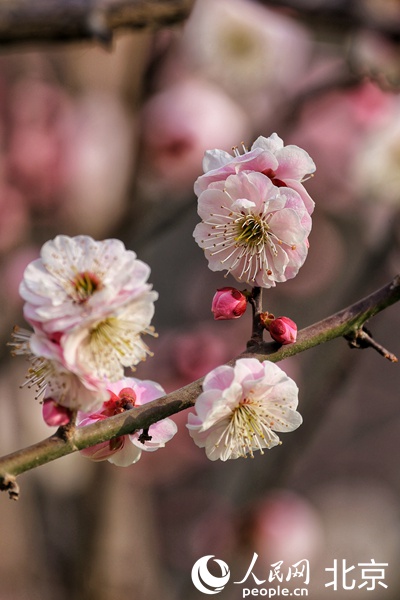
339, 15
345, 323
77, 20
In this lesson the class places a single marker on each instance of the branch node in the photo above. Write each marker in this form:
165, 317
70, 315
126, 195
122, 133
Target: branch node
8, 483
362, 338
66, 432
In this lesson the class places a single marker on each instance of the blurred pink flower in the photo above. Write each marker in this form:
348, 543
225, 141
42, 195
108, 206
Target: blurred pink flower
255, 54
376, 166
181, 122
241, 407
333, 128
14, 218
126, 450
36, 147
196, 352
13, 270
286, 527
253, 229
100, 153
228, 303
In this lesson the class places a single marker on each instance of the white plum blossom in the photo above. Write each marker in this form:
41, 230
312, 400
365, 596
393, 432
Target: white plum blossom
103, 348
78, 280
89, 304
286, 166
241, 407
253, 229
127, 449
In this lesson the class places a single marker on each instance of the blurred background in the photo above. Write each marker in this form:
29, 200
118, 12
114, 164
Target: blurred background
108, 144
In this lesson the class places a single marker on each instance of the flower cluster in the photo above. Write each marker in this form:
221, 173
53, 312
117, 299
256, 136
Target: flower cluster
255, 211
88, 303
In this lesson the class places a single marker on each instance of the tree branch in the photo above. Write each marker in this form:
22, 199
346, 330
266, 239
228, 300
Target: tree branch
344, 323
76, 20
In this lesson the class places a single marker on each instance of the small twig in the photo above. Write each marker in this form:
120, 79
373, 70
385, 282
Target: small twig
60, 20
362, 338
144, 436
9, 484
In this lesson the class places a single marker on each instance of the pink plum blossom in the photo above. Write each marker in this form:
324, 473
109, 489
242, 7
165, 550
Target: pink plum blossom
283, 330
126, 450
228, 303
253, 229
285, 166
241, 407
78, 280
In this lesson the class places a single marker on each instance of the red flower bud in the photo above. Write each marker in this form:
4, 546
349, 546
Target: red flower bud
228, 303
283, 330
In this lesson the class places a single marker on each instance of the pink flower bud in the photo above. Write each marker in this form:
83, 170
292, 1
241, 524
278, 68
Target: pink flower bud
228, 303
283, 330
55, 415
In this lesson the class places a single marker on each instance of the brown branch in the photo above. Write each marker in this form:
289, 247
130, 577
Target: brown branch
76, 20
343, 323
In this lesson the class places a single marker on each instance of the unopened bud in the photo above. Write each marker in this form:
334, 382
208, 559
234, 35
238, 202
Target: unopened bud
228, 303
283, 330
55, 415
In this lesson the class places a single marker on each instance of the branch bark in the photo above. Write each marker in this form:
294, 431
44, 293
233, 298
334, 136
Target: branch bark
76, 20
344, 323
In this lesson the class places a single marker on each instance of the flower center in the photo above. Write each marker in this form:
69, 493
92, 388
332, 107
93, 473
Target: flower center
252, 231
112, 344
85, 285
118, 404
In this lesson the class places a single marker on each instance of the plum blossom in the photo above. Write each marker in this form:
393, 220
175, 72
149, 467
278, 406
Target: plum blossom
78, 280
283, 330
105, 347
127, 449
286, 166
89, 303
228, 303
253, 229
241, 407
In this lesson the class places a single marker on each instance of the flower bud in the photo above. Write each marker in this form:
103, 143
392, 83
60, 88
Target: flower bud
283, 330
228, 303
54, 414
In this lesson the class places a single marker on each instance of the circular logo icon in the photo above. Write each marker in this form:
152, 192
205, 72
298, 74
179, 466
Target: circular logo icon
204, 581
